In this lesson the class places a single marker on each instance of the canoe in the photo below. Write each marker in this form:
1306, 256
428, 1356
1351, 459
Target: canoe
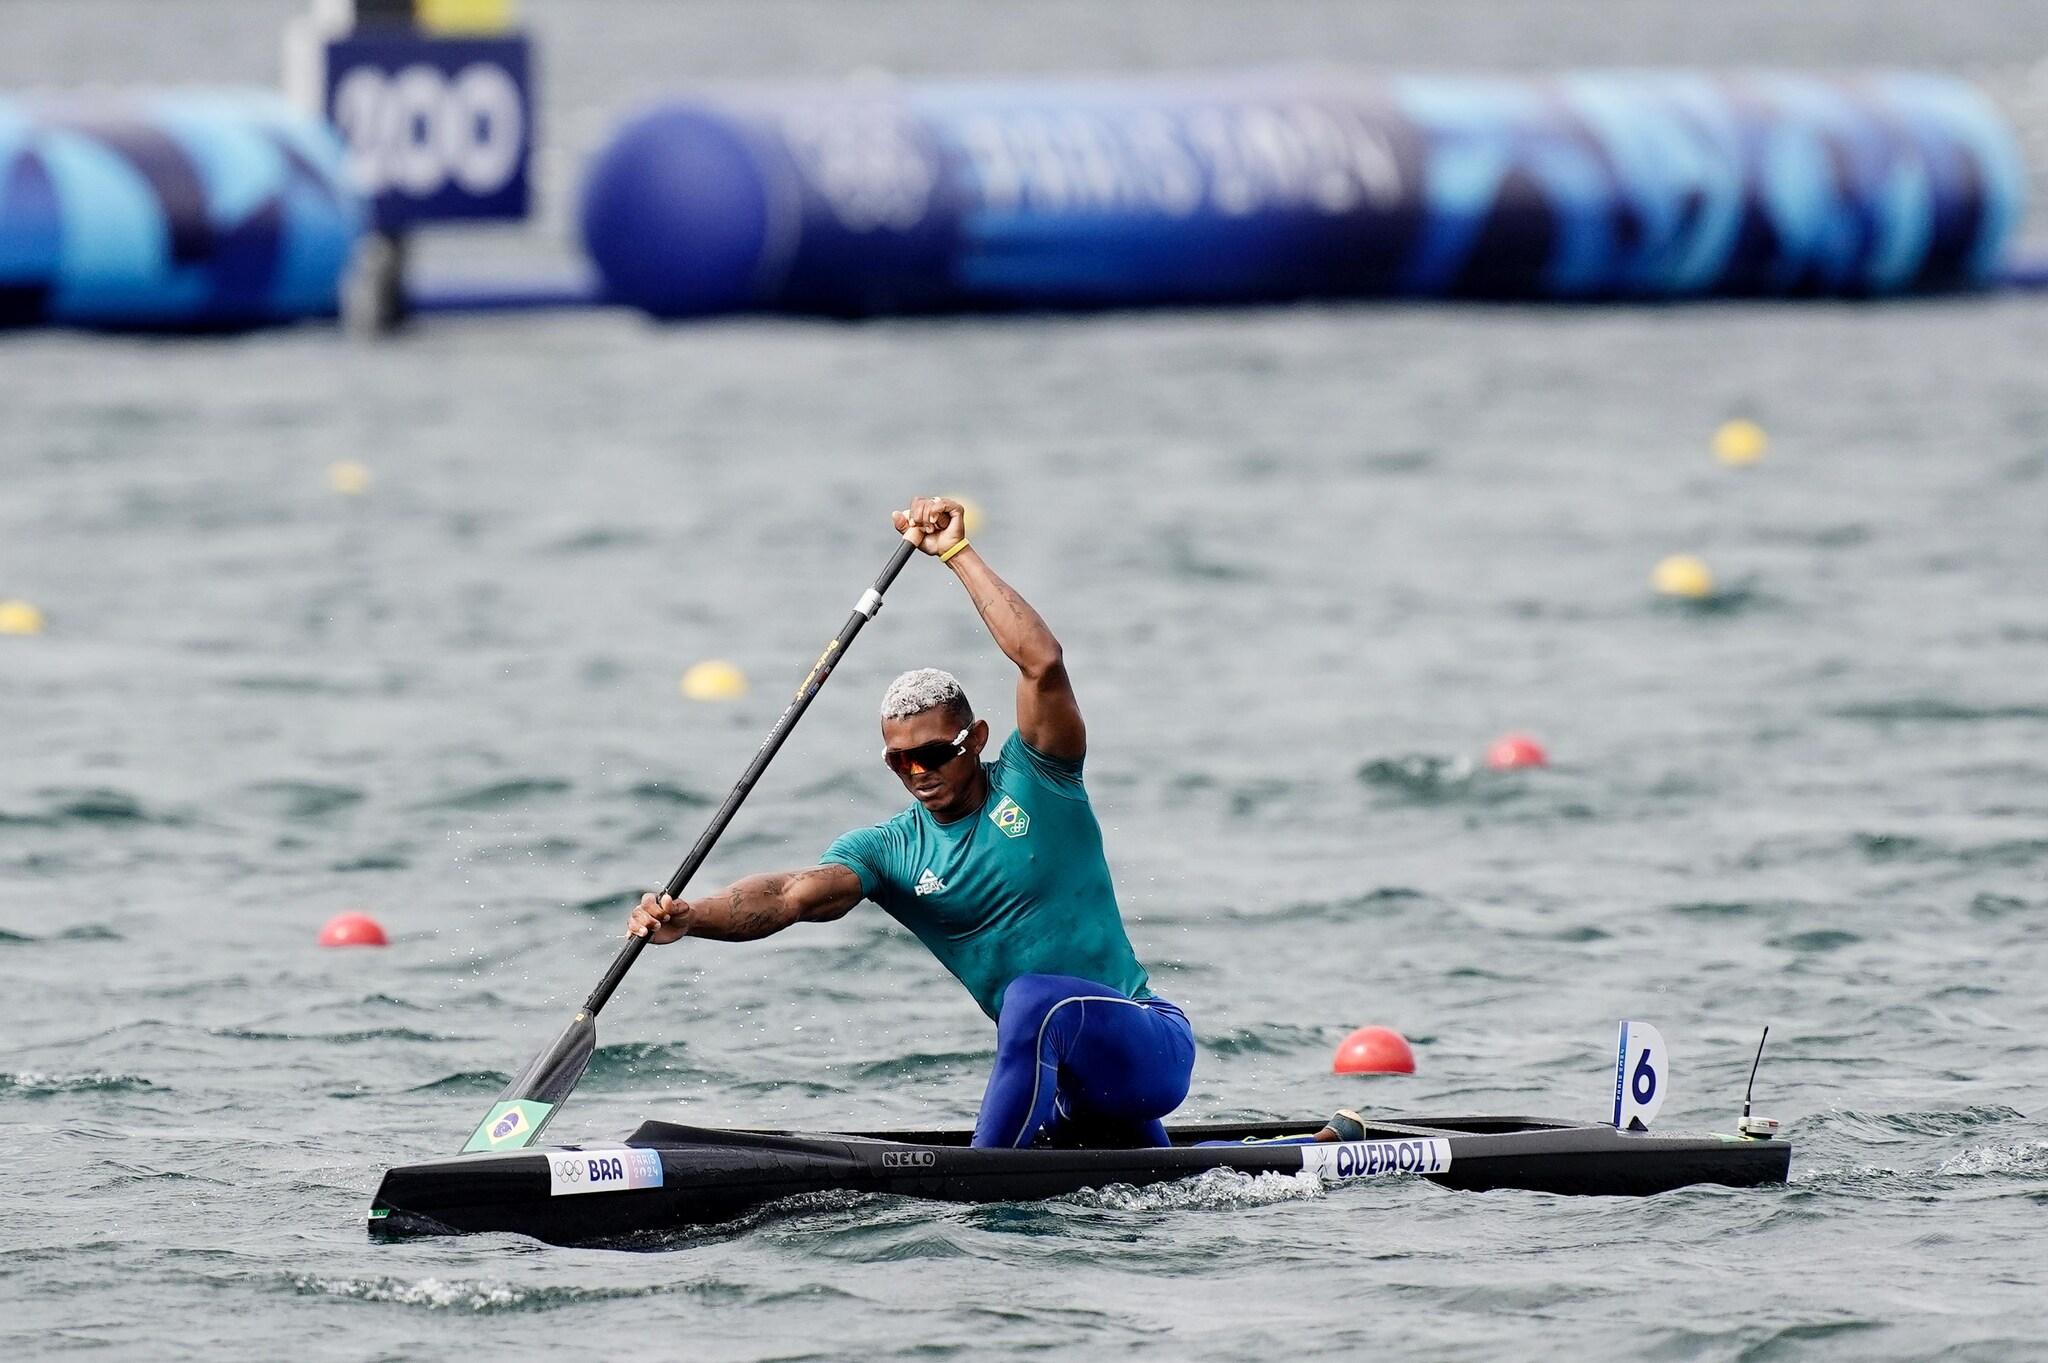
666, 1178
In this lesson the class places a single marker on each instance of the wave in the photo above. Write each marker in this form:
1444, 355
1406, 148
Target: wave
90, 933
97, 806
1385, 901
389, 859
921, 1063
639, 1060
36, 1084
304, 799
795, 1206
1884, 847
1274, 1039
598, 537
497, 794
1735, 908
2019, 1157
1577, 936
1215, 1190
1936, 710
388, 1001
1988, 905
335, 1038
1892, 1128
1431, 778
455, 1294
786, 1088
462, 1081
320, 684
668, 793
1819, 939
1738, 599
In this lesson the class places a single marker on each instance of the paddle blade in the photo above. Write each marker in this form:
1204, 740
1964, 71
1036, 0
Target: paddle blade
515, 1121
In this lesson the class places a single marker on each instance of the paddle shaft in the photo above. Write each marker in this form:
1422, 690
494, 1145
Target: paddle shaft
870, 602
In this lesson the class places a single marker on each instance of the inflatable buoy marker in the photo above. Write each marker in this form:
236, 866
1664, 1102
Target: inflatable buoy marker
352, 930
19, 617
1683, 575
459, 18
1512, 751
973, 515
1374, 1050
348, 477
713, 679
1740, 443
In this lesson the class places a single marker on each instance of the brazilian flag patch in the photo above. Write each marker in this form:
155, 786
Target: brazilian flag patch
1009, 817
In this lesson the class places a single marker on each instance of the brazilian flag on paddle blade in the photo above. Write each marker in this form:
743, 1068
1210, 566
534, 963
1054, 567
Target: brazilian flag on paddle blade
523, 1109
510, 1126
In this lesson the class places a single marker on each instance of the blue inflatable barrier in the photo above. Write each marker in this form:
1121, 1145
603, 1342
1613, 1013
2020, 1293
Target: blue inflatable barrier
1251, 188
192, 210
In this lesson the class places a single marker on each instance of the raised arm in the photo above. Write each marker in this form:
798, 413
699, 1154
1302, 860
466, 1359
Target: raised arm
1048, 716
751, 908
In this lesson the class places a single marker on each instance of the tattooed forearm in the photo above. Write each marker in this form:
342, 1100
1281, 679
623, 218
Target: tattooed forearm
1018, 629
752, 908
766, 904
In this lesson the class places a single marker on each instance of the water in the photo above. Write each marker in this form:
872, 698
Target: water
1305, 563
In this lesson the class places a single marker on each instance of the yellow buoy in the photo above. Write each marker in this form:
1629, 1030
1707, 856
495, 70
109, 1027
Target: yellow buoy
713, 679
19, 617
1740, 443
1683, 575
973, 514
463, 16
348, 477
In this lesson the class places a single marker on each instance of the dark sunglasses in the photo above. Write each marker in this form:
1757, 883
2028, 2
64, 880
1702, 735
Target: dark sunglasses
925, 756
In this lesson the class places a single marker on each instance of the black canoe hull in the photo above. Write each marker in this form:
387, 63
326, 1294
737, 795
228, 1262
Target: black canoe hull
666, 1177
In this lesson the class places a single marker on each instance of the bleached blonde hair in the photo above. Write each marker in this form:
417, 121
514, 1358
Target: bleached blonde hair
922, 689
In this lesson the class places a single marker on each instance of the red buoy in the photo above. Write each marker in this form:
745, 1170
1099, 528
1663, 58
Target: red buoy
352, 930
1510, 751
1374, 1050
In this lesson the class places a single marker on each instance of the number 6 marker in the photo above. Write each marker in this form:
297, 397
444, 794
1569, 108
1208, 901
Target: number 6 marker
1641, 1068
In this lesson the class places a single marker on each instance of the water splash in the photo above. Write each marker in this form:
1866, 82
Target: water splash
2020, 1157
1214, 1190
36, 1084
455, 1294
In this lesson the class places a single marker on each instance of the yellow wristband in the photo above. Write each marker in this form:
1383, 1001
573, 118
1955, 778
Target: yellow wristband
954, 550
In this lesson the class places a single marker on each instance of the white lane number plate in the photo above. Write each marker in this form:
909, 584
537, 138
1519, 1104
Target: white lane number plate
602, 1171
1371, 1159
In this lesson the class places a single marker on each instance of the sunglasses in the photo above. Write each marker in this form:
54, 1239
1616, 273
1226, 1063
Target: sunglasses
925, 756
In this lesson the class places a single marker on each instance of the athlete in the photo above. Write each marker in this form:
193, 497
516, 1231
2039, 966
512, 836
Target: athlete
998, 868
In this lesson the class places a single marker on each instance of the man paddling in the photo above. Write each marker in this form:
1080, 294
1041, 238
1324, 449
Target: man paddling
998, 868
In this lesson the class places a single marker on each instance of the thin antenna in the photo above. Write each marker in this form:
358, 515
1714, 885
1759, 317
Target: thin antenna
1751, 1088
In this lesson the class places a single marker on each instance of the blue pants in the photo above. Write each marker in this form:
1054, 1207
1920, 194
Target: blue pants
1081, 1065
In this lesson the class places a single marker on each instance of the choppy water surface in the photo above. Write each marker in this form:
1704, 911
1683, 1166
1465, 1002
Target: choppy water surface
1306, 563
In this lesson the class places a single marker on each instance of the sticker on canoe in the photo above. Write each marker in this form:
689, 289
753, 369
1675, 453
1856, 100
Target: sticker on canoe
602, 1171
1370, 1159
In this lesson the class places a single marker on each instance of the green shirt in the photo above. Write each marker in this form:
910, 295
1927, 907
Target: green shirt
1020, 887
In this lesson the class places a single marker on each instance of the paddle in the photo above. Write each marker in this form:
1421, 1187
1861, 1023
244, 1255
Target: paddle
523, 1109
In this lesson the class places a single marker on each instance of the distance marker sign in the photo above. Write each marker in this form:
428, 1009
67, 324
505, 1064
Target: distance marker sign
437, 128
